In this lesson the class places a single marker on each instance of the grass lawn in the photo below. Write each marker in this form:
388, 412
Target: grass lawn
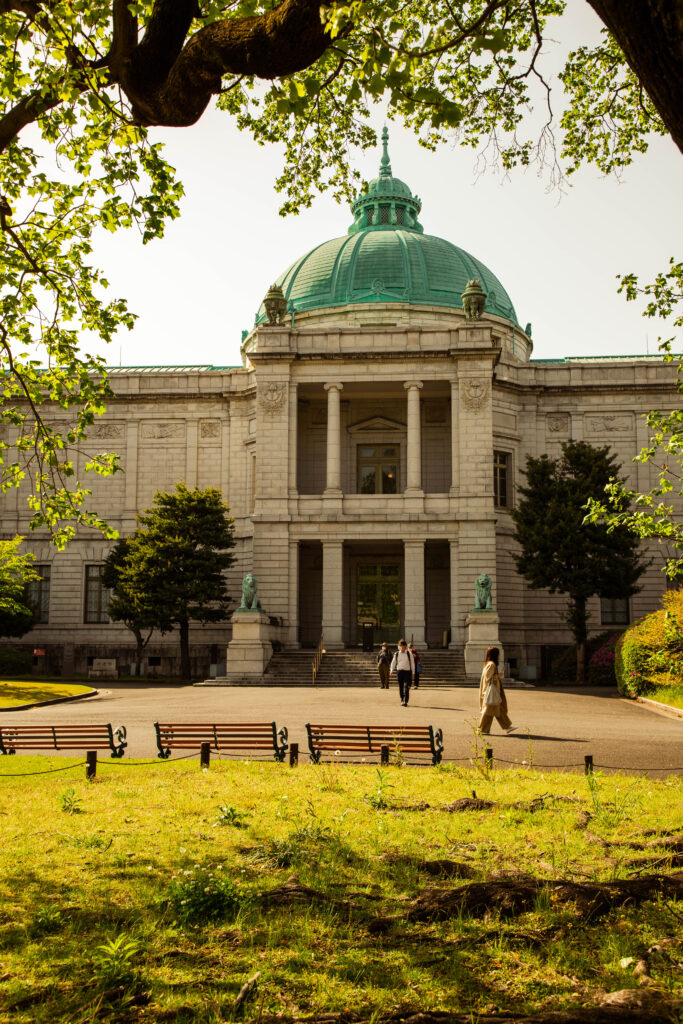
671, 695
19, 692
153, 893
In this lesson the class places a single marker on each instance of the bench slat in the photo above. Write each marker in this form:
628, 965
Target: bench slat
62, 737
370, 738
242, 736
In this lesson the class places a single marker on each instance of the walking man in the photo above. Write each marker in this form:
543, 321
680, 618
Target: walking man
383, 664
403, 664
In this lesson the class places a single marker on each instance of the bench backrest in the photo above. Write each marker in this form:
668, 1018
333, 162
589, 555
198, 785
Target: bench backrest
62, 737
221, 736
370, 738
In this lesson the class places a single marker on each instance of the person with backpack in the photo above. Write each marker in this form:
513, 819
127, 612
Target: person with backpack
403, 664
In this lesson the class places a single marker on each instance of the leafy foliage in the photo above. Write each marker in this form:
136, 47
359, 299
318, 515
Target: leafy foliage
601, 664
562, 553
650, 653
653, 514
127, 603
204, 893
16, 572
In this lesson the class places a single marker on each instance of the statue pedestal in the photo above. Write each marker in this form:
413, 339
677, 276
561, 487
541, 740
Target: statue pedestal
250, 650
482, 632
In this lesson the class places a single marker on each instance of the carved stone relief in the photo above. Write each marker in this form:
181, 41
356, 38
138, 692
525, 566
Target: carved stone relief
159, 431
106, 431
615, 423
558, 423
209, 428
474, 393
272, 398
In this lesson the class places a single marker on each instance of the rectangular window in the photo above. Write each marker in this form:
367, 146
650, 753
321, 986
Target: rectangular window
400, 215
96, 595
38, 593
384, 211
378, 469
614, 611
501, 479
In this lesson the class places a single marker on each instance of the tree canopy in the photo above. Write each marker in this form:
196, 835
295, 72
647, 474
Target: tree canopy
16, 573
171, 571
558, 550
86, 83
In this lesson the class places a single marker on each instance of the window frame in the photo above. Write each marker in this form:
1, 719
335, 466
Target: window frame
607, 608
38, 593
502, 454
103, 596
378, 461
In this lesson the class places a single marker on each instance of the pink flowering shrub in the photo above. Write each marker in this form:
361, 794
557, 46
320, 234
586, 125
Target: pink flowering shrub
601, 665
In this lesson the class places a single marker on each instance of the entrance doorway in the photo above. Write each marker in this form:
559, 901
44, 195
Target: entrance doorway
378, 600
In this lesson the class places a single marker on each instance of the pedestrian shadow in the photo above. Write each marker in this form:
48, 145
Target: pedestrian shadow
518, 735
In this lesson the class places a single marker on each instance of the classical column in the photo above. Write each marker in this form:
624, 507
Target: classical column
414, 576
333, 438
457, 609
455, 462
293, 438
332, 592
293, 584
191, 453
131, 477
414, 455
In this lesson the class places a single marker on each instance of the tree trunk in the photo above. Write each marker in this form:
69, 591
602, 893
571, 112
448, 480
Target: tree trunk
650, 32
184, 649
139, 647
580, 630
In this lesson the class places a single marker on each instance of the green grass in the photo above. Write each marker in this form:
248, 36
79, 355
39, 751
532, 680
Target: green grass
140, 896
671, 695
15, 693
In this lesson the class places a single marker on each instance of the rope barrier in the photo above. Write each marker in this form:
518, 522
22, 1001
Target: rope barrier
144, 764
48, 771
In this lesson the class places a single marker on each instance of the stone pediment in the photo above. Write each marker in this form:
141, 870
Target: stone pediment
376, 424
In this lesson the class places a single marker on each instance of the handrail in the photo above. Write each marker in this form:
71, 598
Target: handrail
319, 651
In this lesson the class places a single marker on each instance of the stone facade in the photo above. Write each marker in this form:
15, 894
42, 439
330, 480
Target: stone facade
369, 447
282, 438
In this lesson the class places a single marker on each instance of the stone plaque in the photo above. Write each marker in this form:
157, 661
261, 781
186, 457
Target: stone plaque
606, 423
209, 428
273, 397
161, 431
474, 393
558, 423
106, 431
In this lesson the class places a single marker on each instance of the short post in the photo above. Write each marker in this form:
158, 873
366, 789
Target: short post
205, 755
588, 764
488, 755
384, 754
90, 764
293, 755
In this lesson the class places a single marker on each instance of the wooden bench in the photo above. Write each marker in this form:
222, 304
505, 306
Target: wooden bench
221, 736
363, 739
63, 737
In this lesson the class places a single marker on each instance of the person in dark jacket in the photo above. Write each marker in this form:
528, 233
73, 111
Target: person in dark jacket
383, 666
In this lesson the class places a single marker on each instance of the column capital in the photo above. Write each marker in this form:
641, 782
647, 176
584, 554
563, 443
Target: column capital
334, 385
409, 384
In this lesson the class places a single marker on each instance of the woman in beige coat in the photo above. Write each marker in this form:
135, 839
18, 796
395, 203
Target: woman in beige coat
498, 710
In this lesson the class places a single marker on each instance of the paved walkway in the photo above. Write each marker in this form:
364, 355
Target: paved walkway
556, 727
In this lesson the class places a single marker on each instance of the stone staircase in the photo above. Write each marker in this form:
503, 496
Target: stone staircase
358, 668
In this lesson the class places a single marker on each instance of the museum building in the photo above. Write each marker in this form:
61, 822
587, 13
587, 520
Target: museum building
369, 447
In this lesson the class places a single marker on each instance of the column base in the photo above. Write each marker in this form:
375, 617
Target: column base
482, 632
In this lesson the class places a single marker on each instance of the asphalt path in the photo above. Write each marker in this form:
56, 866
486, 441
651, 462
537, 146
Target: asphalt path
556, 727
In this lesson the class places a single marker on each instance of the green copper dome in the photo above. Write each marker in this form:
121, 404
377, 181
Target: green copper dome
387, 258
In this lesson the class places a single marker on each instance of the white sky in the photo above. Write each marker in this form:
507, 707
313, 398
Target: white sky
557, 256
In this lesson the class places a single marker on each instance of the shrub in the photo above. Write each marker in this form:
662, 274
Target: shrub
15, 662
601, 665
563, 669
652, 649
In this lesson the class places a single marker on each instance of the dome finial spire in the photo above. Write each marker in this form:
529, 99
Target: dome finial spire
385, 165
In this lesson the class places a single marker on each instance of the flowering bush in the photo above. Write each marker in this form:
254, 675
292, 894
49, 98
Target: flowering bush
203, 892
651, 651
601, 664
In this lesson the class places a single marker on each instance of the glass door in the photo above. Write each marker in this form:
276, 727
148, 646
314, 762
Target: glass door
378, 600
